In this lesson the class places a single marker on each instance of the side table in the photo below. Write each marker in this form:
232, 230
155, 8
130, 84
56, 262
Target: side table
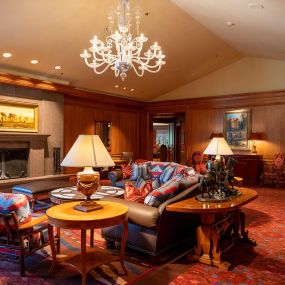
217, 219
64, 216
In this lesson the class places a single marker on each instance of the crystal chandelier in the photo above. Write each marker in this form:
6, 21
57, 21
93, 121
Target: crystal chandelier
121, 51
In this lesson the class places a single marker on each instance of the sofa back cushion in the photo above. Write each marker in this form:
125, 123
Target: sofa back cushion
156, 168
139, 170
163, 193
18, 203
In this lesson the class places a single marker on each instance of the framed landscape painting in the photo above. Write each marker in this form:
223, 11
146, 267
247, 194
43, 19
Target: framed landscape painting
237, 127
18, 117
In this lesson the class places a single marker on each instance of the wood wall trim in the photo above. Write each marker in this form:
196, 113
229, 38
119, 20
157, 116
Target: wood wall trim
220, 102
69, 91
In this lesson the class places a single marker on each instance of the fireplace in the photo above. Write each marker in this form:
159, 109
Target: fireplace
14, 163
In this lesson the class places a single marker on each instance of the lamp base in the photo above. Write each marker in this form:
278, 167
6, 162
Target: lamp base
88, 206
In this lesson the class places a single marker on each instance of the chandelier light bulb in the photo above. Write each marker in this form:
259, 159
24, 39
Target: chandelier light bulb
122, 51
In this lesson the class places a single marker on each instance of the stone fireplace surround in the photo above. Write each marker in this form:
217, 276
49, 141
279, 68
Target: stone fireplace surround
50, 134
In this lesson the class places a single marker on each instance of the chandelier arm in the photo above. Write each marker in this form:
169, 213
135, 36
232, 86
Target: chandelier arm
102, 71
137, 72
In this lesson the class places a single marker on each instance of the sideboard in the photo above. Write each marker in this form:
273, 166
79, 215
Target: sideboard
249, 167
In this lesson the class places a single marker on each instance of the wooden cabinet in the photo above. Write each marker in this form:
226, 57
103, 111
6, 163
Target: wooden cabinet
249, 167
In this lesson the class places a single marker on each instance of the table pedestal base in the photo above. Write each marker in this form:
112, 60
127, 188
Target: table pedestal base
209, 247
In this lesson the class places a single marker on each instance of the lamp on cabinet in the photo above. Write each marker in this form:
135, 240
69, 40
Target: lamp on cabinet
254, 137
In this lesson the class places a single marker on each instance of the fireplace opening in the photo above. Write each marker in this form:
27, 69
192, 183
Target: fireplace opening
13, 163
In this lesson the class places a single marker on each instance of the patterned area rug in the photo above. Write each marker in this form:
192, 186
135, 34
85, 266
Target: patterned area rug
263, 264
37, 266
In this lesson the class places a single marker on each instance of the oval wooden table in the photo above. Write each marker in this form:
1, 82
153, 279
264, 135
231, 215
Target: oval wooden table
65, 216
217, 220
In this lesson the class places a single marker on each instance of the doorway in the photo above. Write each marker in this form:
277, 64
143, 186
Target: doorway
168, 137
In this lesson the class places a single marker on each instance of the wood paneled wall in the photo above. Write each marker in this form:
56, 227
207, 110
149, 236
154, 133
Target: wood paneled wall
80, 117
206, 115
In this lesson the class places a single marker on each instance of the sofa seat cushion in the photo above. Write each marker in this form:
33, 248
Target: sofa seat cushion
163, 193
140, 214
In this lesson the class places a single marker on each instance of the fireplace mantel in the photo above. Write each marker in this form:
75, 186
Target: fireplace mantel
23, 137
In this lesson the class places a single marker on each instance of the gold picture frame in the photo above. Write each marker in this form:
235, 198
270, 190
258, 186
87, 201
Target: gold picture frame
19, 117
237, 126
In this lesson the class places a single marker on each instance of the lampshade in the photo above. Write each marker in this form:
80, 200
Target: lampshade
255, 136
218, 146
88, 151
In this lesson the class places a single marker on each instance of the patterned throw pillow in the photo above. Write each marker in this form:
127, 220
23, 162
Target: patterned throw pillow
167, 174
136, 194
17, 203
165, 192
139, 170
127, 171
153, 183
156, 168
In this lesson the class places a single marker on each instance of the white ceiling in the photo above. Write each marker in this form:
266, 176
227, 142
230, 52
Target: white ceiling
257, 32
195, 39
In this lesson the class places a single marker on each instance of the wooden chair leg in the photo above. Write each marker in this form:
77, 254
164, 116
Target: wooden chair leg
22, 256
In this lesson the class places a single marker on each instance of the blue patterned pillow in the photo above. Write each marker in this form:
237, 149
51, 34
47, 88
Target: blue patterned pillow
139, 170
166, 174
165, 192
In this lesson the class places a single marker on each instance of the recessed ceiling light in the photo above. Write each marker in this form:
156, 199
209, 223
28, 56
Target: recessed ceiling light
6, 54
116, 86
255, 5
57, 67
125, 88
230, 24
34, 61
132, 90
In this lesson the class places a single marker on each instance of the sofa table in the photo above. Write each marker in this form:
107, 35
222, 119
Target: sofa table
65, 216
217, 220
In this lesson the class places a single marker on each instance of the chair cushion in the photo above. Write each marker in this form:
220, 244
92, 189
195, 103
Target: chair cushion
139, 170
163, 193
17, 203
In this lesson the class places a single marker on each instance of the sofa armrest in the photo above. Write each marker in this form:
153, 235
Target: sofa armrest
139, 214
115, 176
187, 193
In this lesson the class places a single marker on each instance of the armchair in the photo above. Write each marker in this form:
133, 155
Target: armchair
21, 234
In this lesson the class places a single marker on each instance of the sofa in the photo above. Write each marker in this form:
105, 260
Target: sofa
153, 230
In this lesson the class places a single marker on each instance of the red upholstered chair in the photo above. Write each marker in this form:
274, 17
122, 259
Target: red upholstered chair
21, 234
276, 172
197, 162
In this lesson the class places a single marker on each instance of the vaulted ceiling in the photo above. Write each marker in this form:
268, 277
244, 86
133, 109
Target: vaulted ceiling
193, 34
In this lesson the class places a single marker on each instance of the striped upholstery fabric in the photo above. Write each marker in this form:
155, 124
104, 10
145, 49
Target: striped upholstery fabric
139, 170
188, 181
167, 174
141, 183
127, 170
15, 202
163, 193
156, 168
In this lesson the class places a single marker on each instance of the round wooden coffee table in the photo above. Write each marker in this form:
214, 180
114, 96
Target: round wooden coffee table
65, 216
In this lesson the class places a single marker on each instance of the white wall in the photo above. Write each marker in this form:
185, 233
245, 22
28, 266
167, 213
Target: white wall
246, 75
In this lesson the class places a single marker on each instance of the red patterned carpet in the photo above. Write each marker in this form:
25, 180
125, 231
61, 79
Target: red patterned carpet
260, 265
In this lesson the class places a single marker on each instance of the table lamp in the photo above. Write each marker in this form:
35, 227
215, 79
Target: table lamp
218, 146
88, 151
254, 137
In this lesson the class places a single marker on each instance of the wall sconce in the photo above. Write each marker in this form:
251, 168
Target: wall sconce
255, 137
